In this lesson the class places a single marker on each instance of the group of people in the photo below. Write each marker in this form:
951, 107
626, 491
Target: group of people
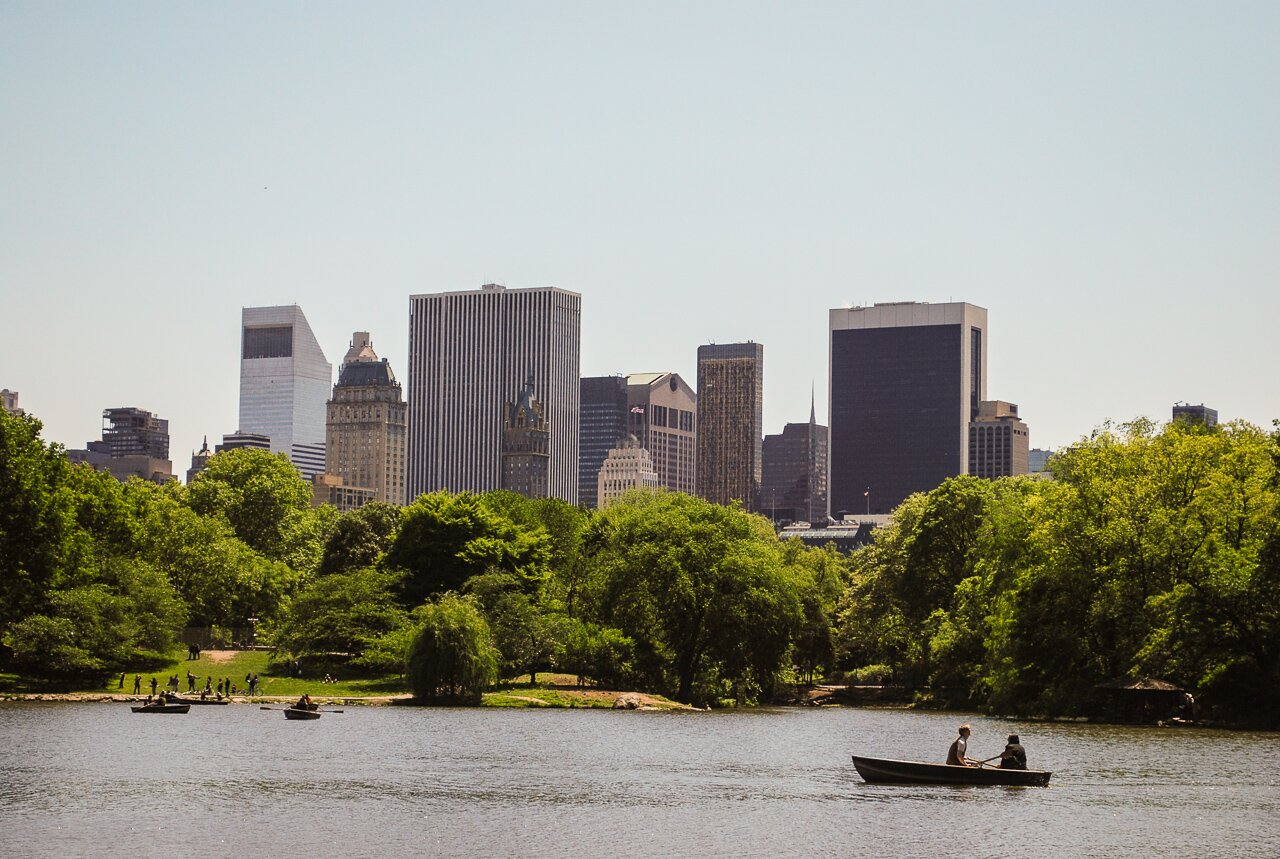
1014, 756
225, 687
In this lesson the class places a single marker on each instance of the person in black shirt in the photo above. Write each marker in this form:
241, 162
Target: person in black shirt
1014, 756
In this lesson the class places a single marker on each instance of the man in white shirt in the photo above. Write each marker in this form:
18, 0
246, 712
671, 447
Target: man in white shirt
956, 754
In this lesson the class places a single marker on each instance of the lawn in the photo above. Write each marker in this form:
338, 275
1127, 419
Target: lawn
273, 678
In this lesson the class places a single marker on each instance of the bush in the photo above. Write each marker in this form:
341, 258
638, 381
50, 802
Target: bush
873, 675
453, 658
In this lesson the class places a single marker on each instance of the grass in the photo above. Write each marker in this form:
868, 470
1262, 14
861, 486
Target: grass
273, 679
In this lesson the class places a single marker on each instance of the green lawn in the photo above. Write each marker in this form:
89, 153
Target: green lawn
244, 662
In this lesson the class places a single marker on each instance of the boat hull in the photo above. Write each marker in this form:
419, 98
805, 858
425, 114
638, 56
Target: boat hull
882, 771
164, 708
300, 715
204, 702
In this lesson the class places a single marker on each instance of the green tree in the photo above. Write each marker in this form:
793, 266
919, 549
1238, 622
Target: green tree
261, 495
360, 537
341, 613
453, 658
445, 539
700, 588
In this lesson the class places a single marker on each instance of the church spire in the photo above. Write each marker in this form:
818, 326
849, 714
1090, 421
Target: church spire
813, 413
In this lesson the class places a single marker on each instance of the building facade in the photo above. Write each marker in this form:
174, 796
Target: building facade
526, 445
9, 402
285, 382
730, 422
1201, 414
628, 466
467, 352
236, 440
366, 426
793, 485
905, 381
662, 413
199, 460
602, 425
134, 443
999, 443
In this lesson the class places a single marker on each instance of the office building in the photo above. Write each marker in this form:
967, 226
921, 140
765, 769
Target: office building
998, 441
905, 382
526, 444
9, 402
730, 422
330, 489
468, 351
1201, 415
793, 485
237, 440
366, 427
1038, 460
285, 382
662, 415
628, 466
134, 443
199, 460
602, 424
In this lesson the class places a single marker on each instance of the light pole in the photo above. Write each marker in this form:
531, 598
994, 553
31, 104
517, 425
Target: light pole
867, 495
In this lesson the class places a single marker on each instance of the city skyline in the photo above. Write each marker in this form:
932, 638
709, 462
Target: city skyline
1101, 179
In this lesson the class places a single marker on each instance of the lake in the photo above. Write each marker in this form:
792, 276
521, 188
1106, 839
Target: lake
96, 779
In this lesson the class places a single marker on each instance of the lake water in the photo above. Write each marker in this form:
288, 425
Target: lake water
98, 780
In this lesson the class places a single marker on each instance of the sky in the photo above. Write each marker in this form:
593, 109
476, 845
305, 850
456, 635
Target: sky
1102, 177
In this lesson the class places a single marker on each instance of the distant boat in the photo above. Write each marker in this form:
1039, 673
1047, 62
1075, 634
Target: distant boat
881, 771
161, 708
300, 715
203, 701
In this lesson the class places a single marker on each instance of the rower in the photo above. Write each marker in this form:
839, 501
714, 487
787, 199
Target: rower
304, 703
956, 754
1014, 756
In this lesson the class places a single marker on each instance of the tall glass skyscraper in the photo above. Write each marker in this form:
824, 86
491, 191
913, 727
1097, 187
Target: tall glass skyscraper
602, 427
284, 384
906, 380
469, 352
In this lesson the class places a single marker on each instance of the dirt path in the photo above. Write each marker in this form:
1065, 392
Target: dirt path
219, 655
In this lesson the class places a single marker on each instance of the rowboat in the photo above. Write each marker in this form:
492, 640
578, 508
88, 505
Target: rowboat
303, 715
203, 701
161, 708
881, 771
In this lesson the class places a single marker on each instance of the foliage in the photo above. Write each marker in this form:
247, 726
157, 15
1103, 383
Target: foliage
596, 654
340, 613
446, 539
261, 495
453, 658
702, 590
360, 537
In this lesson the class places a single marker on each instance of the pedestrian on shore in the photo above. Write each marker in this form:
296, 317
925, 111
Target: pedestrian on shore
137, 684
121, 679
191, 681
154, 684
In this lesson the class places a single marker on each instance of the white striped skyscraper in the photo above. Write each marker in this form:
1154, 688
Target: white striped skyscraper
470, 352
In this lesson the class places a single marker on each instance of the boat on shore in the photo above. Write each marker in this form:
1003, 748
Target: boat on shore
203, 701
883, 771
301, 715
162, 708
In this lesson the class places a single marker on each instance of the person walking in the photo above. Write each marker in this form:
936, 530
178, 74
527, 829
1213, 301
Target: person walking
137, 684
154, 684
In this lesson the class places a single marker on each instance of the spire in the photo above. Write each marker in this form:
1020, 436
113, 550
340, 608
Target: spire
813, 414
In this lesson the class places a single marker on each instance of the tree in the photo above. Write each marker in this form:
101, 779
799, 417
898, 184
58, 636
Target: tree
445, 539
341, 613
38, 531
453, 658
261, 495
700, 588
526, 635
360, 537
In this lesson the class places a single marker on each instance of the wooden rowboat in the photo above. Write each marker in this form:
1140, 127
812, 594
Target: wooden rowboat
161, 708
881, 771
302, 715
203, 701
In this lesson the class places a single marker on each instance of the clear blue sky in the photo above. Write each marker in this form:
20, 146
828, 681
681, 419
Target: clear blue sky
1103, 177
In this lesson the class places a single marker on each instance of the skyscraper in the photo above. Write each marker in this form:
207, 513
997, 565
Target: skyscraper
1201, 414
367, 427
468, 351
662, 415
284, 384
998, 441
730, 422
602, 424
9, 402
134, 443
628, 466
906, 379
793, 487
525, 445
